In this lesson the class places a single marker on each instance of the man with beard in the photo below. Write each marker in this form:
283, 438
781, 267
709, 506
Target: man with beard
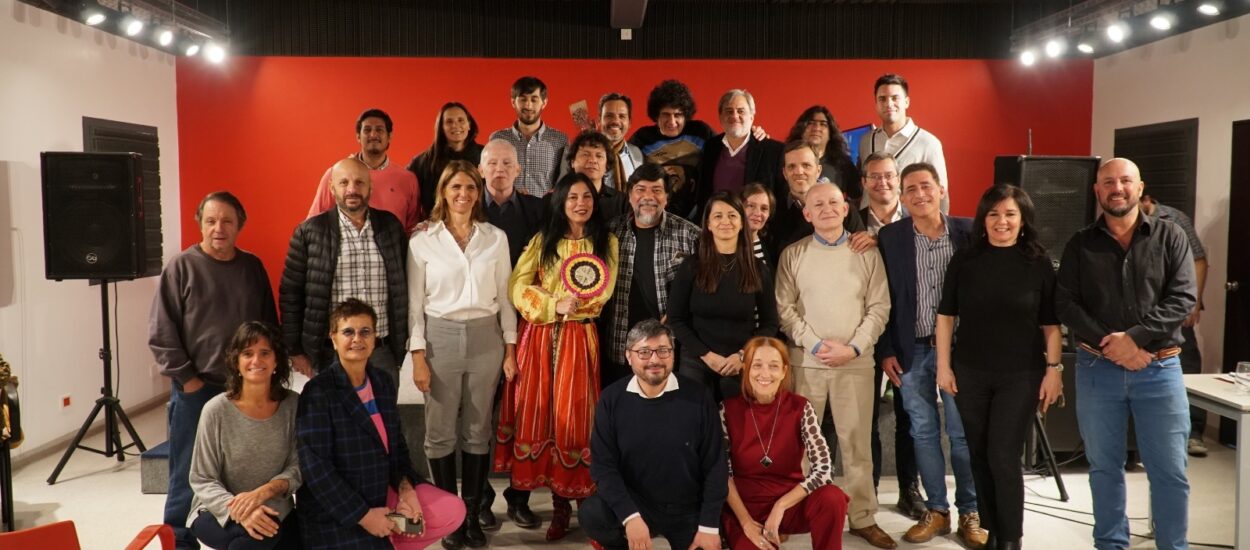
351, 251
615, 112
539, 147
1124, 288
395, 189
653, 244
735, 157
659, 458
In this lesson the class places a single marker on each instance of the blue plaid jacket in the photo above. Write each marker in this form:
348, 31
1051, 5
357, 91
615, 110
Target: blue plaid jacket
346, 469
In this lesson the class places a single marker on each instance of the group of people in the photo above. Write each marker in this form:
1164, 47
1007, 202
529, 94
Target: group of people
652, 354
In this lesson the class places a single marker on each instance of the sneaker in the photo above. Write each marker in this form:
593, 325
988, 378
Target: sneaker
970, 531
932, 524
1196, 448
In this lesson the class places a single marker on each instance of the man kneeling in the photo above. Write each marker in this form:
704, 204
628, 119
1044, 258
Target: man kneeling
659, 460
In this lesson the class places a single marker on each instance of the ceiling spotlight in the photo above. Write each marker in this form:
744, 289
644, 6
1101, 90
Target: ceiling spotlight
192, 49
165, 38
1028, 57
214, 53
1055, 47
1085, 47
133, 27
1208, 8
94, 18
1161, 22
1117, 32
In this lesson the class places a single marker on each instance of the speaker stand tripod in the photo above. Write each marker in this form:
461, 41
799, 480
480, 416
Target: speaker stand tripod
108, 403
1046, 456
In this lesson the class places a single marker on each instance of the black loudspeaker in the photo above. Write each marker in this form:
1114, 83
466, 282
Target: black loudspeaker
93, 217
1061, 426
1062, 189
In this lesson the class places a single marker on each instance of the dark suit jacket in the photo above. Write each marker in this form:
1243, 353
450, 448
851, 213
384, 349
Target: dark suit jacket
898, 250
308, 277
345, 467
763, 166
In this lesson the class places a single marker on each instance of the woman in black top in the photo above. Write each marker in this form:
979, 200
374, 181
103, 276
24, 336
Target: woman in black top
715, 297
455, 138
1001, 291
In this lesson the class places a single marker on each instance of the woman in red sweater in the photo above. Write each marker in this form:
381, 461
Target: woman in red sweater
769, 430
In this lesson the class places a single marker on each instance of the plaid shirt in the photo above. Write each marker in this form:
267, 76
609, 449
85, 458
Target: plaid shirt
676, 239
539, 157
361, 272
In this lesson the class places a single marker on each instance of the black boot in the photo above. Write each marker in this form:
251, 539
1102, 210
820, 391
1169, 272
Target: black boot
1009, 544
991, 543
487, 516
443, 470
474, 472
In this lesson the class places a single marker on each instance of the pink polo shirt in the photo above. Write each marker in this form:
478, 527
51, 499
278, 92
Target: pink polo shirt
394, 189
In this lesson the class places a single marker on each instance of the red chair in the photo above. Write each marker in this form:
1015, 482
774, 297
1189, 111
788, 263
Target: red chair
63, 536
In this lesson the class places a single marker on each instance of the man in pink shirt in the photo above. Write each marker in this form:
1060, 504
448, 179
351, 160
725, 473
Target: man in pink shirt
394, 188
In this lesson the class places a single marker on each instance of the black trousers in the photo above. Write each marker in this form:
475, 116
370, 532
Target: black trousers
234, 537
904, 448
997, 408
602, 525
722, 387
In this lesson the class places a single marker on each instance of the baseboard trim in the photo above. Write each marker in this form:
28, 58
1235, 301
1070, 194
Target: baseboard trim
58, 445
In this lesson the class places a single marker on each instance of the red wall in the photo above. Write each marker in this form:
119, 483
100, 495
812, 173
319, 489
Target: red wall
266, 128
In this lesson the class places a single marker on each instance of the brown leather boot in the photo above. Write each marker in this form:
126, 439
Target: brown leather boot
932, 524
970, 531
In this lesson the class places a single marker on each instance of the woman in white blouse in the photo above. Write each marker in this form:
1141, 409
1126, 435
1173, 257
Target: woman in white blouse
463, 336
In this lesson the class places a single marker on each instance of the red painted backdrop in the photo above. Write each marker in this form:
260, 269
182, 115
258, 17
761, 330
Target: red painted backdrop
266, 128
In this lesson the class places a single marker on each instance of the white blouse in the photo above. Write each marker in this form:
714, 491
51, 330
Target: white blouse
456, 285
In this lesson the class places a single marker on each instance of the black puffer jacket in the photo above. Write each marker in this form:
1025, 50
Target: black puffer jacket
311, 260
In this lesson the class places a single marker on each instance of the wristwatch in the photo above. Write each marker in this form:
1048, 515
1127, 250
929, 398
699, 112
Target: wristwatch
1057, 366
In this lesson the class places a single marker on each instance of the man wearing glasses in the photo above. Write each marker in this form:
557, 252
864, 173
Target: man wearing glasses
880, 179
659, 461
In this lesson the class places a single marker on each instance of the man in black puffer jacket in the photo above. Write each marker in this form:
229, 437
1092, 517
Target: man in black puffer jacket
352, 251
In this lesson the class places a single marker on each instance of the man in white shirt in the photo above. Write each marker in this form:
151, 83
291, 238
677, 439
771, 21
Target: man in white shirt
898, 134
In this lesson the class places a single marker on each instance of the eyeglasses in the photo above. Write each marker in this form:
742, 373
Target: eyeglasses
817, 122
646, 353
364, 333
888, 176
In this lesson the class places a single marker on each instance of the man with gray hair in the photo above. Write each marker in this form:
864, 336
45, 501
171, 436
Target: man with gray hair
659, 458
205, 293
737, 156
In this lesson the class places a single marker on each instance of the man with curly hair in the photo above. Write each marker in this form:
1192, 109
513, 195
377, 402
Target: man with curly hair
675, 141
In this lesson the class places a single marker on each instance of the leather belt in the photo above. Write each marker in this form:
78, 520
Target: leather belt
1160, 355
930, 341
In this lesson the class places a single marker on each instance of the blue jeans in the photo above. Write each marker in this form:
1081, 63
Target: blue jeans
184, 418
1105, 396
919, 391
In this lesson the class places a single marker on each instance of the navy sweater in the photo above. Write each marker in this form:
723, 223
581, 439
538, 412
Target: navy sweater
664, 454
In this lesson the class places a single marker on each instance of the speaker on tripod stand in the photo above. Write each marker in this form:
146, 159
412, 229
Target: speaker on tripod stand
93, 227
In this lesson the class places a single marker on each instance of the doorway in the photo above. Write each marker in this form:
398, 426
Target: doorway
1237, 289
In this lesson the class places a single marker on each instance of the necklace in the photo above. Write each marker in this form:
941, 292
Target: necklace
726, 267
766, 461
463, 243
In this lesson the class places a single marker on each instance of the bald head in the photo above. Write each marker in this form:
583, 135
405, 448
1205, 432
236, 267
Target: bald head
1119, 187
825, 207
349, 181
499, 166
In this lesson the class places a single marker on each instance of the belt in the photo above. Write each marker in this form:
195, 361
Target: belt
930, 341
1160, 355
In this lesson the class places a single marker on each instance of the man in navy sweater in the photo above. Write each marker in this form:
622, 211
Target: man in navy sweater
658, 455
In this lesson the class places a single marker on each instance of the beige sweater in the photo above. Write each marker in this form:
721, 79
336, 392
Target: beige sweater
831, 293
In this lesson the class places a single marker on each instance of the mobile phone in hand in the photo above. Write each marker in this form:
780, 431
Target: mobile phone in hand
405, 525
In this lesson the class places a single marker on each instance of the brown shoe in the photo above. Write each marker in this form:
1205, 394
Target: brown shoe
970, 531
933, 523
875, 536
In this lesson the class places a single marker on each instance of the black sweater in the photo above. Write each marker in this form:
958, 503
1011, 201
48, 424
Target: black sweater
665, 454
724, 320
1002, 298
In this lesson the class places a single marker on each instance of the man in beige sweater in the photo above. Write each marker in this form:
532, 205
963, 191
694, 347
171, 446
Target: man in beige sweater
834, 304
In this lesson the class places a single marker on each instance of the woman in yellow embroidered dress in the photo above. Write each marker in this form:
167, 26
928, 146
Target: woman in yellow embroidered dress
559, 285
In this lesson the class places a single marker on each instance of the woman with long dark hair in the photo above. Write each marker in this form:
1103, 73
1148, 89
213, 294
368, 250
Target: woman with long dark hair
769, 496
245, 469
455, 138
817, 128
559, 285
715, 296
1006, 365
463, 336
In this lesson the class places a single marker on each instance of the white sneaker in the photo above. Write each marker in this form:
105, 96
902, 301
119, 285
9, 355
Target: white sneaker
1196, 448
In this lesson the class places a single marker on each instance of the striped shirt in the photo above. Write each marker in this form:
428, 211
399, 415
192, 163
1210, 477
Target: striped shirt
539, 157
361, 272
932, 255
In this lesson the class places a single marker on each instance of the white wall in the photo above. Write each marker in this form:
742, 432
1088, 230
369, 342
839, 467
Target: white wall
1205, 74
53, 72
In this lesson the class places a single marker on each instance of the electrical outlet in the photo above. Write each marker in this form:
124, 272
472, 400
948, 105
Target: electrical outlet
65, 401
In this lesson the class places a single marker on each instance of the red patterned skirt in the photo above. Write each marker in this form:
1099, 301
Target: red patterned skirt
548, 410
